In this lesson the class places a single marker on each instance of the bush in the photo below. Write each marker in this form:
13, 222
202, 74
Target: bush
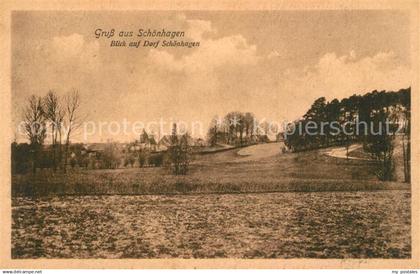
129, 160
73, 162
21, 158
156, 159
142, 158
83, 161
110, 157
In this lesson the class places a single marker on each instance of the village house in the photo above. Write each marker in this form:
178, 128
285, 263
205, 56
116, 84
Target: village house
147, 141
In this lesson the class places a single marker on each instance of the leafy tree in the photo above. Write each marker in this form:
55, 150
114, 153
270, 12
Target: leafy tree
185, 154
142, 158
249, 122
179, 152
361, 117
381, 146
129, 160
156, 159
214, 129
332, 113
110, 158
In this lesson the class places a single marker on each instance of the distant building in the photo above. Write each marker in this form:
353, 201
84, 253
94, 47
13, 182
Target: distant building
164, 142
147, 141
94, 149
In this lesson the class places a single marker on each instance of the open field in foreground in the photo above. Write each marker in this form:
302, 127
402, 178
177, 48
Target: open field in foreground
290, 205
272, 225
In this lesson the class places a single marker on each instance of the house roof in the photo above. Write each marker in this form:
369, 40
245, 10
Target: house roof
165, 140
96, 147
147, 139
152, 140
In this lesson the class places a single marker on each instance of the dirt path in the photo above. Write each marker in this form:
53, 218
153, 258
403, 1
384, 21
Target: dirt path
341, 152
257, 152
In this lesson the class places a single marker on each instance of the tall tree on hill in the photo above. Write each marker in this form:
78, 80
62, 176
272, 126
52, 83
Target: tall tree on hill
317, 114
241, 127
365, 120
249, 122
384, 117
235, 128
381, 145
214, 130
263, 128
232, 120
332, 113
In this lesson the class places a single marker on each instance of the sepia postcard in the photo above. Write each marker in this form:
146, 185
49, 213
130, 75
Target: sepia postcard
211, 134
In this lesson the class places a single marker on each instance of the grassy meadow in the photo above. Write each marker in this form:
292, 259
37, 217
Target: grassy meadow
223, 172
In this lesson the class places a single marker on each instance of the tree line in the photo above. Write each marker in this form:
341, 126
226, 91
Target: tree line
238, 129
55, 117
372, 119
49, 116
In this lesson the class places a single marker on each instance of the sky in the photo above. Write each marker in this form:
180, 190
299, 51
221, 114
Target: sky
271, 63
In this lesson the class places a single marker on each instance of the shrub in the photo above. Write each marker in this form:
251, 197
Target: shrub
156, 159
142, 158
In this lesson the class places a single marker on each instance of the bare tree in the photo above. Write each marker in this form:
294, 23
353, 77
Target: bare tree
54, 114
35, 127
72, 120
59, 130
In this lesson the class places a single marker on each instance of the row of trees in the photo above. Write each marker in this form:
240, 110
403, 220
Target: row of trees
55, 116
373, 119
177, 157
237, 128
